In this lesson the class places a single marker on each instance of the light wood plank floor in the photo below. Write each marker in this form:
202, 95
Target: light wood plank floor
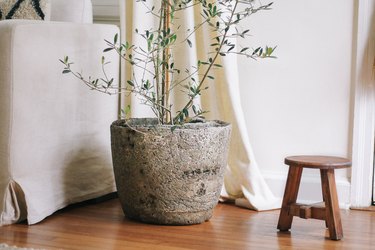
103, 226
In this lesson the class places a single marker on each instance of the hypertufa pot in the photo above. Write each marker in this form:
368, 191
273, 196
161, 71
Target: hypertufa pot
169, 177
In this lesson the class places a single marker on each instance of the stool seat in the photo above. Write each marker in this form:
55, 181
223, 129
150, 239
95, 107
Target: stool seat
328, 210
317, 161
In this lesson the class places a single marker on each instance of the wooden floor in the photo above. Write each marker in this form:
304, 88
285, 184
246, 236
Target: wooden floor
103, 226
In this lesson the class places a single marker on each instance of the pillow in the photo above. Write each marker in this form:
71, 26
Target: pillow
25, 9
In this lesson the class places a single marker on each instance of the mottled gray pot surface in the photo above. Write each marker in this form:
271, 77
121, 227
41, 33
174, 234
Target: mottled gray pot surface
167, 177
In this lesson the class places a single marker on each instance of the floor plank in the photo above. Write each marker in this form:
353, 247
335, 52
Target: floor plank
103, 226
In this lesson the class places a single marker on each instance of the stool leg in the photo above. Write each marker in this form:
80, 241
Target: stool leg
290, 197
321, 178
333, 218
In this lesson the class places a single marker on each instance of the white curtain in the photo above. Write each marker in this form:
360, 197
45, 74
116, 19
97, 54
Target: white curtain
243, 181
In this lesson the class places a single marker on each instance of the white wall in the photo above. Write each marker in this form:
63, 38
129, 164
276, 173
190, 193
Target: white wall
301, 102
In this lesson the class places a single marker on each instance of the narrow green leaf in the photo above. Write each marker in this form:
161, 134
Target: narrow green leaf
186, 112
194, 109
189, 43
110, 82
231, 48
107, 49
173, 128
244, 49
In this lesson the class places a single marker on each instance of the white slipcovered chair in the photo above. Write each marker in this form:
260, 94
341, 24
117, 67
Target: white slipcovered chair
54, 132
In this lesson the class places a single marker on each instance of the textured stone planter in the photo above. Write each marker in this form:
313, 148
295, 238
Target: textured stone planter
167, 177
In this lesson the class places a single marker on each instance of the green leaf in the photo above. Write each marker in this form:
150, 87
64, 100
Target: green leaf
173, 38
189, 42
66, 71
115, 39
107, 49
194, 109
244, 49
130, 83
186, 112
173, 128
256, 51
260, 51
110, 82
126, 112
231, 48
206, 13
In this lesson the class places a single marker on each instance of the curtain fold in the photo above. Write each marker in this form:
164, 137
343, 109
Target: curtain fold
244, 182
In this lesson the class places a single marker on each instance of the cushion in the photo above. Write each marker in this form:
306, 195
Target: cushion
25, 9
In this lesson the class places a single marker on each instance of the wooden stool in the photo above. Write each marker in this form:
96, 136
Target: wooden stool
327, 210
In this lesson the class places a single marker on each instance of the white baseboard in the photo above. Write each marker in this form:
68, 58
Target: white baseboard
310, 188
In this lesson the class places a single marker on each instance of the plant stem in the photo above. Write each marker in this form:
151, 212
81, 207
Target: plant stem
190, 103
166, 59
153, 86
159, 87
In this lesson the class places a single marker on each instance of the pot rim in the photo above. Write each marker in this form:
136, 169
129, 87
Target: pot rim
148, 123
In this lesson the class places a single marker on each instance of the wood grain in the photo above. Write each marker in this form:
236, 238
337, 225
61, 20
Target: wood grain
103, 226
318, 161
290, 197
333, 218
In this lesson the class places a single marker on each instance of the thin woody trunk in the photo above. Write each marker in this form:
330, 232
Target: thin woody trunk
166, 56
